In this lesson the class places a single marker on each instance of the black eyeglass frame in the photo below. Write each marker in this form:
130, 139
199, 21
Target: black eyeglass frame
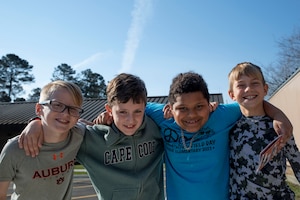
70, 108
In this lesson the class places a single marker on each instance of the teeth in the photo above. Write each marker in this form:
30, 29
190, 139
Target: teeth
250, 97
63, 121
192, 122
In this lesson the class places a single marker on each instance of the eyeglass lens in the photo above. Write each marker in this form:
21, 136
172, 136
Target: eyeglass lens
60, 107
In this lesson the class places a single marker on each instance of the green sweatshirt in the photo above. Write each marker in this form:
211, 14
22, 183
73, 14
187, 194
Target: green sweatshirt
124, 167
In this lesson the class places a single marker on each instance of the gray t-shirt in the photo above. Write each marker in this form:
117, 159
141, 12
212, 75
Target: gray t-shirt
47, 176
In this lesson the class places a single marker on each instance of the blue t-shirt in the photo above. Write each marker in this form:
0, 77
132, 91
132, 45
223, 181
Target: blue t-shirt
203, 171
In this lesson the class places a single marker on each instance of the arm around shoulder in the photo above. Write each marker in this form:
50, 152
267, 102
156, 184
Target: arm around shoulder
3, 189
155, 112
281, 123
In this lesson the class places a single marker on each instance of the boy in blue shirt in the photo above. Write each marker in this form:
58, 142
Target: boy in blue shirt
196, 140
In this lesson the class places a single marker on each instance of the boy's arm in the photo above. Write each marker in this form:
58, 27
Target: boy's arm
281, 123
155, 112
293, 157
3, 189
31, 138
103, 118
151, 110
86, 122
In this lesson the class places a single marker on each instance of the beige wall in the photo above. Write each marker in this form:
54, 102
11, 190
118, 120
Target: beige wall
288, 100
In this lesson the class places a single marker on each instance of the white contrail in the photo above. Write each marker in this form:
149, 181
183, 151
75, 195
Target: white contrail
139, 15
90, 60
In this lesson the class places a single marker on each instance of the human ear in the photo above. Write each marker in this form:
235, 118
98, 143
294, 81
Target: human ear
168, 112
231, 95
266, 88
108, 109
38, 109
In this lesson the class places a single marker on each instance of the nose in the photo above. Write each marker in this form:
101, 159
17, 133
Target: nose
248, 87
192, 112
129, 118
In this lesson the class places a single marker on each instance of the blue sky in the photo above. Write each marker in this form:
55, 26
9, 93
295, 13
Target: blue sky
154, 39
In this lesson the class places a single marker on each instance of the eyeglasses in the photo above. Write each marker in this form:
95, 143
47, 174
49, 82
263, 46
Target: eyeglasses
60, 107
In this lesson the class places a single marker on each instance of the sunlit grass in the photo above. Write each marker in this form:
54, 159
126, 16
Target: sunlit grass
79, 167
296, 189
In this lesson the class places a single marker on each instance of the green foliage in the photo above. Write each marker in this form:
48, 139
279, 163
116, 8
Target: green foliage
91, 84
35, 95
14, 73
19, 99
63, 72
4, 97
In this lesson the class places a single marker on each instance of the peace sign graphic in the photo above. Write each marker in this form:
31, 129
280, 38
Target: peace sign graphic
170, 135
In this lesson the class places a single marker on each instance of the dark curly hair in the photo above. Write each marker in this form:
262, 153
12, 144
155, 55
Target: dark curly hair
186, 83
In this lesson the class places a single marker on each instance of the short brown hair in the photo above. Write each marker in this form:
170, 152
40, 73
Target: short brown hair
125, 87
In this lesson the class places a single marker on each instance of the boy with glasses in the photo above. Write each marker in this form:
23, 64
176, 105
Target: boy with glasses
124, 160
196, 145
48, 176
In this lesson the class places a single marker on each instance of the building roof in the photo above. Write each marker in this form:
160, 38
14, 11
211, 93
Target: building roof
21, 112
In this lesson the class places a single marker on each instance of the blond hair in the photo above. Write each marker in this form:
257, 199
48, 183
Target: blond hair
245, 69
72, 88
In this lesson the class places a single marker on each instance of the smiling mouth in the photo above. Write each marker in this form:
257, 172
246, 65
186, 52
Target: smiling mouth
191, 122
129, 127
62, 121
250, 97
